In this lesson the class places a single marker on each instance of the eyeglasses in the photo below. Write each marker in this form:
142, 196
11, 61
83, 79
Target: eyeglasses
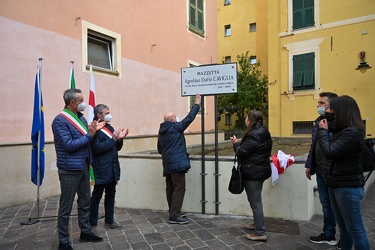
321, 102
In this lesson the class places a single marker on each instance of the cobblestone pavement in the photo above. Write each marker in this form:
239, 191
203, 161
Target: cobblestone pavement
147, 229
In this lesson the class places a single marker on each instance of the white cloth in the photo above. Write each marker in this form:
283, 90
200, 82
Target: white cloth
284, 161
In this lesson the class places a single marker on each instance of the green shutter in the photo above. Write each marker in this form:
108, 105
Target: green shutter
297, 14
303, 13
297, 71
309, 70
196, 16
304, 71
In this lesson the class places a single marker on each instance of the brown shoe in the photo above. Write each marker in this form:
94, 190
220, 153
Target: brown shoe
256, 237
250, 227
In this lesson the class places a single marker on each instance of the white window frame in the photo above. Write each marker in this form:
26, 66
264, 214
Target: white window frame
115, 38
304, 47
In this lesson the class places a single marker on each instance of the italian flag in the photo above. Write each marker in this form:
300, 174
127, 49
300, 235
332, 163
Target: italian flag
72, 84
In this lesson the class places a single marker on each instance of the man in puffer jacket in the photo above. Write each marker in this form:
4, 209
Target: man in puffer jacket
72, 136
172, 147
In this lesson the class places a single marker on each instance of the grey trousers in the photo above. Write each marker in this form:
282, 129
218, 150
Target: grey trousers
254, 196
72, 182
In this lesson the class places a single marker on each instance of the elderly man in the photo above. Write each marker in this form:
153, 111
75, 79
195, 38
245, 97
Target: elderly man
172, 147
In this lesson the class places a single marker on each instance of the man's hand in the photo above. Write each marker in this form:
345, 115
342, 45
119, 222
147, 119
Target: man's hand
95, 126
308, 175
122, 133
197, 99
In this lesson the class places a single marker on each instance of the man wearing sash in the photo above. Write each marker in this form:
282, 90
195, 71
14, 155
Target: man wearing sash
72, 137
105, 146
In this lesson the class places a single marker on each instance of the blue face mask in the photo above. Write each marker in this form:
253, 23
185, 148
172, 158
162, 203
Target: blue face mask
321, 110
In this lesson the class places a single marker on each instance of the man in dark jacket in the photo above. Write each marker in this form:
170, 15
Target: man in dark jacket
172, 147
72, 136
313, 166
105, 146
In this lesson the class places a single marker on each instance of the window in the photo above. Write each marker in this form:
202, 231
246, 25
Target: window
304, 128
304, 71
303, 13
253, 27
228, 59
227, 31
226, 2
196, 16
228, 119
101, 48
253, 59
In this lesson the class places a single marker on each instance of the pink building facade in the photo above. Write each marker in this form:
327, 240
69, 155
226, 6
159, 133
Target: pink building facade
137, 49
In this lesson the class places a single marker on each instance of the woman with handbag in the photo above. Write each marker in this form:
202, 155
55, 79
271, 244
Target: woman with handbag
253, 153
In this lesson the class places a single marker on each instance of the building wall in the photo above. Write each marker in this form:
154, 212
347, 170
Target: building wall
153, 51
337, 38
239, 14
155, 44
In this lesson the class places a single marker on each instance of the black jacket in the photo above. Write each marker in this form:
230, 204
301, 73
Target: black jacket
105, 157
254, 153
342, 166
172, 145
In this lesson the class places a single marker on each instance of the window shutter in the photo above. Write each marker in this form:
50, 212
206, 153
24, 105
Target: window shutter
297, 14
308, 13
297, 71
309, 69
200, 24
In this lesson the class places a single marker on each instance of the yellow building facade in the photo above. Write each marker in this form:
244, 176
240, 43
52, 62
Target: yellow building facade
305, 47
242, 27
315, 46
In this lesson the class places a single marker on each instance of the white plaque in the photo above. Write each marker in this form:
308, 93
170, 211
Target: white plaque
209, 79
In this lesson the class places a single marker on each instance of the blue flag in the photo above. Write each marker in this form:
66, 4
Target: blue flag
37, 135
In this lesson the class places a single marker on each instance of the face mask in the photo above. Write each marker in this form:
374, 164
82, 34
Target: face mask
321, 110
329, 116
81, 107
108, 118
177, 119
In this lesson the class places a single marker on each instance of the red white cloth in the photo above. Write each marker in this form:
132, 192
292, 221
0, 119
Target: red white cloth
280, 162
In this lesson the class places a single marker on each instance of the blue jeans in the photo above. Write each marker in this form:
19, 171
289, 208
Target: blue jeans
329, 221
254, 196
109, 202
345, 202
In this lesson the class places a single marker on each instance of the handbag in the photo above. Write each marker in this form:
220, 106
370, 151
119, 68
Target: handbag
369, 155
236, 185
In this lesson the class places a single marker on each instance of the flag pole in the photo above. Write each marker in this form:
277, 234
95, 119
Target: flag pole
39, 134
30, 220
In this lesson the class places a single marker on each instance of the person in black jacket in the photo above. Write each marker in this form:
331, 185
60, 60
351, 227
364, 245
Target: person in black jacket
105, 146
313, 166
253, 153
343, 169
172, 147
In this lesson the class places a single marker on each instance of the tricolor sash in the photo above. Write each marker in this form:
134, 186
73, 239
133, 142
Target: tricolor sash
74, 120
107, 132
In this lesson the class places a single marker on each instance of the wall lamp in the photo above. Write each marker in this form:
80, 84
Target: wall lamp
363, 66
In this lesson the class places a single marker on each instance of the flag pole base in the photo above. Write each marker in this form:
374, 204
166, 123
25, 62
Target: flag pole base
30, 221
